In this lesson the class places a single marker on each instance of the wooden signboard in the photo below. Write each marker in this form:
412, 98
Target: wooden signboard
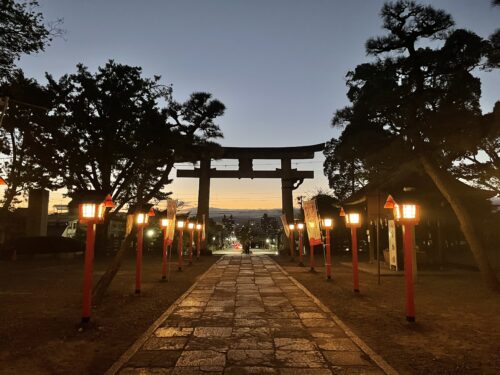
286, 228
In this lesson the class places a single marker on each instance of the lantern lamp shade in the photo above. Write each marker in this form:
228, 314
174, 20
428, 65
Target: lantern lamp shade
327, 223
353, 219
291, 226
108, 202
407, 212
141, 218
191, 226
180, 224
2, 181
198, 226
300, 226
91, 212
342, 212
151, 212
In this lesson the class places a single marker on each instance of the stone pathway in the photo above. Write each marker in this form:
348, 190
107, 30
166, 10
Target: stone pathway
246, 316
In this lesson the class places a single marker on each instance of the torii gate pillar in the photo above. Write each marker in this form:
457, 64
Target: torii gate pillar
287, 187
204, 197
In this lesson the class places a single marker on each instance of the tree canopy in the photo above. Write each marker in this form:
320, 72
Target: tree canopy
417, 101
121, 133
23, 31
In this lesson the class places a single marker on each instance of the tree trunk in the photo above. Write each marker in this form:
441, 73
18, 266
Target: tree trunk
104, 282
445, 183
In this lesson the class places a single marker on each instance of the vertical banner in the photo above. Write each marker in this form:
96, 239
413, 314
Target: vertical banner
312, 222
393, 253
286, 228
171, 211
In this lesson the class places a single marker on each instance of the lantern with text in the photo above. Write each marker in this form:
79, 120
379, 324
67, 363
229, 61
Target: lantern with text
165, 224
328, 226
199, 228
291, 228
180, 227
141, 214
191, 227
408, 214
300, 229
90, 212
353, 221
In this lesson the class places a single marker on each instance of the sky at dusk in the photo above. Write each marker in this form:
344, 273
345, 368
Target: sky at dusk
278, 66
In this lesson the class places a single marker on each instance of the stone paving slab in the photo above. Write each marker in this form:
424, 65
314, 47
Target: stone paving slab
246, 315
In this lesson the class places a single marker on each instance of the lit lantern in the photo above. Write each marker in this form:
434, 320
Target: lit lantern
108, 202
141, 214
342, 212
300, 228
191, 227
353, 220
199, 228
180, 226
2, 181
328, 225
91, 212
292, 240
164, 223
407, 213
141, 218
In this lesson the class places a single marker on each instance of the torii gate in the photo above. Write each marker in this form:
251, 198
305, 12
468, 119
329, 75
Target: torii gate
291, 179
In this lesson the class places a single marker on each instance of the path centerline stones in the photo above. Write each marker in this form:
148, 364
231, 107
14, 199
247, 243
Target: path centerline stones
246, 316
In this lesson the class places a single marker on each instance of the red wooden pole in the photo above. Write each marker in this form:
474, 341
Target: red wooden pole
164, 262
87, 273
198, 244
301, 263
311, 259
355, 275
179, 248
328, 256
408, 263
292, 244
138, 259
191, 234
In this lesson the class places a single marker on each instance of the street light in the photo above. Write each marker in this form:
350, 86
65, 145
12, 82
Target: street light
328, 225
300, 229
353, 221
291, 227
90, 212
180, 227
199, 228
408, 214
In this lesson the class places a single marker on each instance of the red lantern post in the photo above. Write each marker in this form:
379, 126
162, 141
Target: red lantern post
166, 244
291, 227
141, 220
353, 221
199, 228
408, 214
328, 225
180, 226
90, 213
191, 237
300, 228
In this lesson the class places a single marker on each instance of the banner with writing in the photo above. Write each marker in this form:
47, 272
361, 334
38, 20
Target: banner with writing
312, 221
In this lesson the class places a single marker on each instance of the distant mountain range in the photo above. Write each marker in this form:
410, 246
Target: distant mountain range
216, 213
